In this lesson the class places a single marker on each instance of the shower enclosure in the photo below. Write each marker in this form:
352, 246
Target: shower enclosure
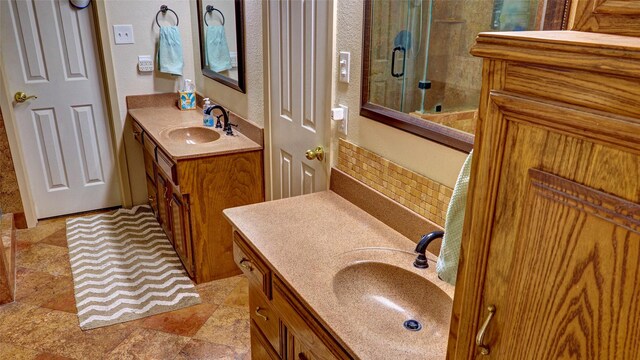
420, 61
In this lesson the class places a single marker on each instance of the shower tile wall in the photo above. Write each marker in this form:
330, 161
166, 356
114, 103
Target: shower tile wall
10, 201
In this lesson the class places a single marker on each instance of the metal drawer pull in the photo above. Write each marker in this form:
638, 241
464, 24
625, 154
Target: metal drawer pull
264, 317
484, 350
244, 262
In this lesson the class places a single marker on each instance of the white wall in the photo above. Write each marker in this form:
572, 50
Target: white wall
428, 158
141, 14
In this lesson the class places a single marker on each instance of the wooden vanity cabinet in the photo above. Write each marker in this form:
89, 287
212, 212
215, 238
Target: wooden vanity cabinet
282, 327
188, 197
549, 266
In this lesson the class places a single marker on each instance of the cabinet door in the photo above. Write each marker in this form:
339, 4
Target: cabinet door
152, 191
181, 229
554, 240
260, 349
163, 211
297, 349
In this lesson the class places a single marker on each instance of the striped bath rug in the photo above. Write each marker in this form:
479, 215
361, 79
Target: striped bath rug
124, 268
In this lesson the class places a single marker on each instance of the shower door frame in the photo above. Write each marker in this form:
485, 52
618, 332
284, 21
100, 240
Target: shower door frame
555, 18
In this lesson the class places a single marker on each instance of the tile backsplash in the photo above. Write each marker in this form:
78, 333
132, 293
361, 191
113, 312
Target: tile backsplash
417, 192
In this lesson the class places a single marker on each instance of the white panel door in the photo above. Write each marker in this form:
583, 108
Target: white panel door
50, 51
300, 58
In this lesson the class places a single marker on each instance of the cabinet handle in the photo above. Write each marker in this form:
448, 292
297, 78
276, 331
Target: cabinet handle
244, 262
136, 133
151, 199
484, 349
264, 317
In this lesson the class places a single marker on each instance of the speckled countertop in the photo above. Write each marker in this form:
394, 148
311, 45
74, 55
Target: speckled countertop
306, 238
156, 121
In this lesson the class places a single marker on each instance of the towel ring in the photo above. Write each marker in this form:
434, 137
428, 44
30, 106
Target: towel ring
163, 10
210, 9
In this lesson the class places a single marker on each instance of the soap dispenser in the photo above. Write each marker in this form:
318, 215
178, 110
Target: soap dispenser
207, 119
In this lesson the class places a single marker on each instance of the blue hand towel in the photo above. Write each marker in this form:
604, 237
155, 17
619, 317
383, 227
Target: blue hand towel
170, 58
218, 57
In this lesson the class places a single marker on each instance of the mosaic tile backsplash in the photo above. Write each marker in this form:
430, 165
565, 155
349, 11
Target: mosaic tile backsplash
417, 192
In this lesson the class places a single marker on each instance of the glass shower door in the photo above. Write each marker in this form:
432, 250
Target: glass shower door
390, 52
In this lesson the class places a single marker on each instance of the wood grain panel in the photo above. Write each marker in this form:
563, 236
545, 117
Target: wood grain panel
601, 53
606, 16
215, 184
577, 297
617, 95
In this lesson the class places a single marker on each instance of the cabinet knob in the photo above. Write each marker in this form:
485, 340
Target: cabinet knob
484, 349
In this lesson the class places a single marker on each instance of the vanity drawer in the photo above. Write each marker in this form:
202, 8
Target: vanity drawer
148, 164
137, 131
251, 265
149, 145
264, 317
167, 166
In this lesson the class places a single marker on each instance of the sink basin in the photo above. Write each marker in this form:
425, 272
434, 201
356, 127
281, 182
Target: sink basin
193, 135
385, 300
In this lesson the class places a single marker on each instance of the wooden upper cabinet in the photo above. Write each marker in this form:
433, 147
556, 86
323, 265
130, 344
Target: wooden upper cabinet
620, 17
552, 235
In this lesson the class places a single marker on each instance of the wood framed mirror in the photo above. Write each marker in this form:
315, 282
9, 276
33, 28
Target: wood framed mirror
222, 52
417, 73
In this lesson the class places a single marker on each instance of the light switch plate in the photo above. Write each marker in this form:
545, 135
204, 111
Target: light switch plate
145, 64
123, 34
344, 62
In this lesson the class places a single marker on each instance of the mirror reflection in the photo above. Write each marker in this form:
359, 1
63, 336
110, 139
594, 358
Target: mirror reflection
419, 58
221, 41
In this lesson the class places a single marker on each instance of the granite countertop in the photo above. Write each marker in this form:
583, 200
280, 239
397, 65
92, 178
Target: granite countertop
302, 238
156, 121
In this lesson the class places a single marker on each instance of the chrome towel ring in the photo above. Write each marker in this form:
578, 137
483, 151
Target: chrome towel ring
163, 10
210, 9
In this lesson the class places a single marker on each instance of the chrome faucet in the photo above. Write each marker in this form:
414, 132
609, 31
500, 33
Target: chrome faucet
421, 249
225, 115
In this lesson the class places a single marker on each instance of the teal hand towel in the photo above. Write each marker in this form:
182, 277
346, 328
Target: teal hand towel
447, 265
217, 57
170, 58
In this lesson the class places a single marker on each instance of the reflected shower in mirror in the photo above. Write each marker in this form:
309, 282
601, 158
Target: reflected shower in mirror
419, 63
222, 41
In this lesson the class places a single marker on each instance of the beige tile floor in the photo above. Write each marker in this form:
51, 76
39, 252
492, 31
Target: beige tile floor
42, 322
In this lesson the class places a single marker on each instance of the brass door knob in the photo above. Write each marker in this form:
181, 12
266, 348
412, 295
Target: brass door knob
317, 153
21, 97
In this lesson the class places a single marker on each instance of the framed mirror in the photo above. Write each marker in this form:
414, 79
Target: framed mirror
221, 24
417, 72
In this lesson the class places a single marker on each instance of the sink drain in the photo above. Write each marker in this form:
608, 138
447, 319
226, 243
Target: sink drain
412, 325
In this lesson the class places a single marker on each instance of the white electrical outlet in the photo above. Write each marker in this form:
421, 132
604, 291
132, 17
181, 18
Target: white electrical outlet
123, 34
343, 124
145, 64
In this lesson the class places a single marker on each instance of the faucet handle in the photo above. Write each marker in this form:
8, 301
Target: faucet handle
229, 129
